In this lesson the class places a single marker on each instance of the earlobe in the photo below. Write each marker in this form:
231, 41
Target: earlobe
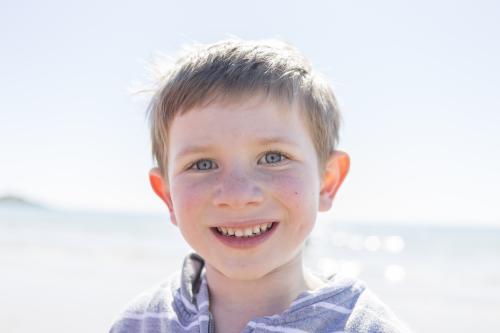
160, 187
336, 170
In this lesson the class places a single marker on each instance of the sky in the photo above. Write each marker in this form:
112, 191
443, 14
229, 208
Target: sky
418, 83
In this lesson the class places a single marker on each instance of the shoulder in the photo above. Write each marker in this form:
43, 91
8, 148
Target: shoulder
350, 306
154, 304
171, 306
370, 315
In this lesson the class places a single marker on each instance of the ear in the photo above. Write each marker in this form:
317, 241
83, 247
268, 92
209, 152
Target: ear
160, 186
336, 169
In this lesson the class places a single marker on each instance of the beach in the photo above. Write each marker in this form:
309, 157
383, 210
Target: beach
75, 271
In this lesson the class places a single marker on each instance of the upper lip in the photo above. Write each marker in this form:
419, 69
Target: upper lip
244, 223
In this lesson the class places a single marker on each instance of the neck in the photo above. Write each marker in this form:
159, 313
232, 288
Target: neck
234, 303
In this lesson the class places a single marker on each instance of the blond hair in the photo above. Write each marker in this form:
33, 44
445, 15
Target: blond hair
235, 69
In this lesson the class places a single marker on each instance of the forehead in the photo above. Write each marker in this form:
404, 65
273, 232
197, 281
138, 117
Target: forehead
238, 121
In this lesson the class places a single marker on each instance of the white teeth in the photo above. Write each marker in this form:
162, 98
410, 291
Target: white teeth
265, 226
246, 232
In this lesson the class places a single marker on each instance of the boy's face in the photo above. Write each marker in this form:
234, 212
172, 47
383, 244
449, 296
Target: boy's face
243, 165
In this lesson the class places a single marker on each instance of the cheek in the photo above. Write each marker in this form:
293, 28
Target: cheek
187, 196
297, 195
287, 189
296, 190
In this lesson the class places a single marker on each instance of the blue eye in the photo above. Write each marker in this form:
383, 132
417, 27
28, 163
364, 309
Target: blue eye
203, 165
273, 157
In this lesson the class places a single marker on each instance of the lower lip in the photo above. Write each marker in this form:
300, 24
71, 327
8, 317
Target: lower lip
245, 242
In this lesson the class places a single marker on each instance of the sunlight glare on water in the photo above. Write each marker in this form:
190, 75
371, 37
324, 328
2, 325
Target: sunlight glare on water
394, 244
395, 273
372, 243
356, 242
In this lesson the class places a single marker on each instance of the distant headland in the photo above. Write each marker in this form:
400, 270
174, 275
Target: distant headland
17, 201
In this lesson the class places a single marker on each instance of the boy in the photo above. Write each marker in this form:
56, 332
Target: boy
244, 134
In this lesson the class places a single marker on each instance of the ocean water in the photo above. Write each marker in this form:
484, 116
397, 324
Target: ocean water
74, 271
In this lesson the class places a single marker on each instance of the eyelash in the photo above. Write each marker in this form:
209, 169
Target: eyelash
282, 155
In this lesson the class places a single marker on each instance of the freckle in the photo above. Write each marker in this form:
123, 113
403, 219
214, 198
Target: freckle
296, 193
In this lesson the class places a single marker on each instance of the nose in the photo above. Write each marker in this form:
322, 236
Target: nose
237, 189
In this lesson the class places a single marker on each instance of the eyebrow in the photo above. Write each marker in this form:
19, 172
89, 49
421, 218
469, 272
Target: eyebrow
263, 141
266, 141
189, 150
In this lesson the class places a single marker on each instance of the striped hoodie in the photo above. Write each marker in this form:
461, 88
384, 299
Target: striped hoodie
181, 304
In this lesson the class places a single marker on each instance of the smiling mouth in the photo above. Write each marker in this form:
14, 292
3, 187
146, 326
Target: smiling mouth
247, 232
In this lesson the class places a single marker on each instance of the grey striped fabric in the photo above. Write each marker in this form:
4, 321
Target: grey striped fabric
181, 304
